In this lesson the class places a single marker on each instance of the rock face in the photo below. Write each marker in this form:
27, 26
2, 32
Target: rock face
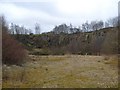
102, 41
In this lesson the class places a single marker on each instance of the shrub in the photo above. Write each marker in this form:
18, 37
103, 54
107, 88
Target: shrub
41, 52
57, 51
12, 51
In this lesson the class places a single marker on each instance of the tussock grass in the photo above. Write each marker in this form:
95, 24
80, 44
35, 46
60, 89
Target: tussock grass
111, 60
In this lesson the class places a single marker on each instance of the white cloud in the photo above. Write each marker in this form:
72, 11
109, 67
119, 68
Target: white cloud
28, 17
70, 11
12, 11
76, 6
27, 0
94, 9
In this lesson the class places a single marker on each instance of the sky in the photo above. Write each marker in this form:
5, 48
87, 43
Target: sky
49, 13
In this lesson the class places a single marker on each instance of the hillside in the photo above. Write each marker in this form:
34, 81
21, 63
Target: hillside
103, 41
60, 68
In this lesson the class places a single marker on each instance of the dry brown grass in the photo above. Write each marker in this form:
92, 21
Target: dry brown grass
69, 71
111, 60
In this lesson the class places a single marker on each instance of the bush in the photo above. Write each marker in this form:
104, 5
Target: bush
57, 51
12, 51
41, 52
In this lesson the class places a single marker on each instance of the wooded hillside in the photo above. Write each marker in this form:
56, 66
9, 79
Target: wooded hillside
103, 41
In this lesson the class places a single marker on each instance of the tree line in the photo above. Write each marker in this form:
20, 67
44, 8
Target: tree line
63, 28
17, 29
86, 27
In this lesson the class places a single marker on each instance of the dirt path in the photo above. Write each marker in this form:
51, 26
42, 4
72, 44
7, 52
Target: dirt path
69, 71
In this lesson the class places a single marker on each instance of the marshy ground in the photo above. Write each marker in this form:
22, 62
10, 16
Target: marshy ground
67, 71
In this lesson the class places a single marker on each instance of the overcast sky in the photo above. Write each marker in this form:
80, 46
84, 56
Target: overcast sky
49, 13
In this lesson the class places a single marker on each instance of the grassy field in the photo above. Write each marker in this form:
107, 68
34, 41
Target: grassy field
68, 71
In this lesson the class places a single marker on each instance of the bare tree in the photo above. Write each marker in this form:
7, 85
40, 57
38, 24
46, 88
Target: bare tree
106, 24
93, 25
100, 24
96, 25
113, 22
63, 28
3, 24
71, 28
30, 31
22, 30
26, 31
17, 29
85, 27
12, 29
37, 28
